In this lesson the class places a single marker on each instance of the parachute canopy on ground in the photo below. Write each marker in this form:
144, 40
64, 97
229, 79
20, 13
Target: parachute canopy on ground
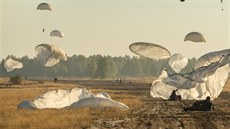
11, 64
74, 98
177, 62
98, 102
206, 80
49, 55
57, 33
195, 37
44, 6
61, 98
26, 105
149, 50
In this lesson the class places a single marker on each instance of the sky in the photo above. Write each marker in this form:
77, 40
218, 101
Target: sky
108, 27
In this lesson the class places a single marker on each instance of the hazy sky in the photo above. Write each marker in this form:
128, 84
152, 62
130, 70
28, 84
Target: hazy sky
108, 27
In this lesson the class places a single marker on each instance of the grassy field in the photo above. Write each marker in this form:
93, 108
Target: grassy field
144, 112
11, 117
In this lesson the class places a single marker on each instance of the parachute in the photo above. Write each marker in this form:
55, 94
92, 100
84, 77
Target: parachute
149, 50
211, 57
207, 80
97, 102
49, 55
61, 98
74, 98
43, 9
11, 64
177, 62
44, 6
57, 33
194, 37
26, 105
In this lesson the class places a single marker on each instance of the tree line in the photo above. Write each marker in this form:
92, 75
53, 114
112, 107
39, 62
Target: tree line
95, 66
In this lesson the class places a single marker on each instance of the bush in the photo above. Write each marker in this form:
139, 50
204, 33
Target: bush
16, 79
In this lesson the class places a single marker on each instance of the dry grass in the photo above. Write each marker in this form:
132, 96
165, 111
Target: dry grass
13, 118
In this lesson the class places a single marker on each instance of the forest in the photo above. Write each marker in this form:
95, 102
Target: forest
95, 66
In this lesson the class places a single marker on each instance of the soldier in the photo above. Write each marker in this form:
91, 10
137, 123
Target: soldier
173, 96
204, 105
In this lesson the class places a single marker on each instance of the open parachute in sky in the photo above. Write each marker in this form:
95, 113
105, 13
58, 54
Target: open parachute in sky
195, 37
49, 55
44, 6
11, 64
43, 12
177, 62
154, 51
149, 50
57, 33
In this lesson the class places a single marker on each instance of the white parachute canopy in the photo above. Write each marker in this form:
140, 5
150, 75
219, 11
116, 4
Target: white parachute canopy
43, 11
74, 98
57, 33
49, 55
44, 6
195, 37
61, 98
11, 64
149, 50
177, 62
209, 58
207, 80
97, 102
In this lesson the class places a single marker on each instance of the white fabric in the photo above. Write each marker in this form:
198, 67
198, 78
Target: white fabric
211, 57
49, 55
57, 33
195, 37
97, 102
69, 99
103, 95
177, 62
11, 64
204, 81
150, 50
26, 105
61, 98
44, 6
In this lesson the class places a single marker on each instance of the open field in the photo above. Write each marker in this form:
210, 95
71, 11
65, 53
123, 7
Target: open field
145, 112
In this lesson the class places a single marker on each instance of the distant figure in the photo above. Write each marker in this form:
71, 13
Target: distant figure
55, 79
119, 80
204, 105
43, 30
173, 96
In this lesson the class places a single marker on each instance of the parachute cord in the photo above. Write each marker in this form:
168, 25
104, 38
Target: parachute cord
222, 5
